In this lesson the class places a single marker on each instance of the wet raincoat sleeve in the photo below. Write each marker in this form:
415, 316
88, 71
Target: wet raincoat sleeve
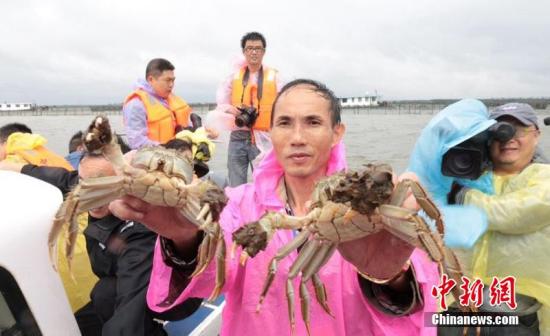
161, 296
520, 210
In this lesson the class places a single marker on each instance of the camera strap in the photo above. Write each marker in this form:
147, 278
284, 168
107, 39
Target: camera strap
259, 91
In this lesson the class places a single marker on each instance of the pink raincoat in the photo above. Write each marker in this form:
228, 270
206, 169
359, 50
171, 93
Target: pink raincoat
354, 315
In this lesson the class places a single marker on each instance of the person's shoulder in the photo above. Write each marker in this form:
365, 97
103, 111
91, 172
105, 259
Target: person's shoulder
537, 170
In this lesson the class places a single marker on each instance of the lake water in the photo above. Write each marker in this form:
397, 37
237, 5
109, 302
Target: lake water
369, 137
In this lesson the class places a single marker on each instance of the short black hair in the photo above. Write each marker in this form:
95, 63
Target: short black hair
9, 129
156, 66
252, 36
76, 140
321, 89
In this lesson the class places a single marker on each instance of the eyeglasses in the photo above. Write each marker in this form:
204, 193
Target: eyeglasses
254, 49
523, 131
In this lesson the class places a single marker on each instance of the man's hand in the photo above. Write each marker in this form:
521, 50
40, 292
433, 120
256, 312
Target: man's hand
380, 255
232, 110
211, 133
165, 221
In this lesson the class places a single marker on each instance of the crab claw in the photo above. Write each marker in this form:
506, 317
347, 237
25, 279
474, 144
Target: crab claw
233, 250
252, 237
243, 258
99, 134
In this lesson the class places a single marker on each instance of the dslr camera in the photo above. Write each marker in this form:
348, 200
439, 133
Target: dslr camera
470, 158
247, 116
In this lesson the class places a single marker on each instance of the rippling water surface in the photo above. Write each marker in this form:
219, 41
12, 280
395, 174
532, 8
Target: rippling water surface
373, 137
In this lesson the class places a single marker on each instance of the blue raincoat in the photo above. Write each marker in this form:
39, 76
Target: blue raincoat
453, 125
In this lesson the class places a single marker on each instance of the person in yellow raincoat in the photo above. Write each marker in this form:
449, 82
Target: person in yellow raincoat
203, 150
517, 242
18, 146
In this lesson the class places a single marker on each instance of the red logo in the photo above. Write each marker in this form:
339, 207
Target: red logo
503, 291
500, 291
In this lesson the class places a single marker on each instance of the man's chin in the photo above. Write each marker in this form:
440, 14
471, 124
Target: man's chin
299, 172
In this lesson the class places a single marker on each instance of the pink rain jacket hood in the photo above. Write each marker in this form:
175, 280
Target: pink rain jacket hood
354, 315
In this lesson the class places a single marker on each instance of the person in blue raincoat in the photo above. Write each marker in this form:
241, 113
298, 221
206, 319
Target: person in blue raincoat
450, 127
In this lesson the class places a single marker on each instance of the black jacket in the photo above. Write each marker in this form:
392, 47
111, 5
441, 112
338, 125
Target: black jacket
121, 255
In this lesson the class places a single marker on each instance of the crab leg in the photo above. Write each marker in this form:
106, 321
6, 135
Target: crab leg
319, 260
211, 252
282, 253
220, 269
304, 305
308, 252
321, 293
203, 254
290, 302
68, 207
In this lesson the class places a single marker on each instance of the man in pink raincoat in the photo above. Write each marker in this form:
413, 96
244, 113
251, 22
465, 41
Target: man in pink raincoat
306, 134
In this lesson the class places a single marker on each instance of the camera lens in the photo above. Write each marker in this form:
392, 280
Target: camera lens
241, 120
462, 162
502, 131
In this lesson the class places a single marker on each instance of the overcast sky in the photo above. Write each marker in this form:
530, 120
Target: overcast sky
91, 52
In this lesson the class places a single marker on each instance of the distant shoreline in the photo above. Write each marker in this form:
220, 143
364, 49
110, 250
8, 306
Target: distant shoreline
387, 107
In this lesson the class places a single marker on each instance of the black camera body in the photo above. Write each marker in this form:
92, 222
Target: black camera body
470, 158
247, 117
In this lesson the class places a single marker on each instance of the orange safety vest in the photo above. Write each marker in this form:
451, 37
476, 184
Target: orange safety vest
162, 121
245, 93
41, 156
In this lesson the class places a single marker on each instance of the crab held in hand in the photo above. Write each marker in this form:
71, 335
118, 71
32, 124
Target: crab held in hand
345, 207
157, 175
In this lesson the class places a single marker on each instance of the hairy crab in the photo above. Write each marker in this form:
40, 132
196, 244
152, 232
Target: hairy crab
157, 175
345, 207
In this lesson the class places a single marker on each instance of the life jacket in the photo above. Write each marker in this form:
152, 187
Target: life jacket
162, 121
260, 95
41, 156
29, 148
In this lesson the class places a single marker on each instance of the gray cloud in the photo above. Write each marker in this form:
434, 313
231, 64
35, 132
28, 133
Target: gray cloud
79, 52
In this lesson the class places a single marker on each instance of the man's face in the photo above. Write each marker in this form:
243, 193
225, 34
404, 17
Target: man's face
302, 132
163, 84
96, 167
254, 52
514, 155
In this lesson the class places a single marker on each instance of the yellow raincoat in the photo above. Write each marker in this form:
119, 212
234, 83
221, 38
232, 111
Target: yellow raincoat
80, 284
518, 239
197, 137
29, 148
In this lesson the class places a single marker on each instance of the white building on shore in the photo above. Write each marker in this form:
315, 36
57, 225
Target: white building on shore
5, 107
360, 101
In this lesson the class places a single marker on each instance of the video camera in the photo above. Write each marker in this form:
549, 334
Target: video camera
247, 117
470, 158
